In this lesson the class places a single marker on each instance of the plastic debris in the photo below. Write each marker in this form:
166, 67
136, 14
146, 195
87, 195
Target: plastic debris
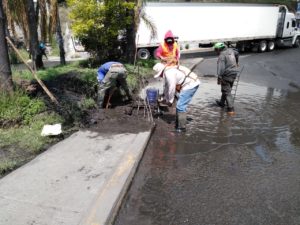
51, 130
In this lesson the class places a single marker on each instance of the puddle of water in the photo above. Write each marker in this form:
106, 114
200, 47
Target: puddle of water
260, 115
222, 165
262, 153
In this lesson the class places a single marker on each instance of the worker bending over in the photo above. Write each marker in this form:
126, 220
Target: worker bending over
111, 76
182, 80
227, 70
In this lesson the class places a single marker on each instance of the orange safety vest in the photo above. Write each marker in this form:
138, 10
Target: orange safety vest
166, 51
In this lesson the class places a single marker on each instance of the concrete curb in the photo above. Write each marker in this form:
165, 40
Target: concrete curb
109, 198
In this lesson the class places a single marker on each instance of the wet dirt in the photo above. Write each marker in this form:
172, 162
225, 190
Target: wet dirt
225, 170
70, 90
117, 120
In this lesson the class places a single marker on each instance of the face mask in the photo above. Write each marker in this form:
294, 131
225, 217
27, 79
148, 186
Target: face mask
170, 41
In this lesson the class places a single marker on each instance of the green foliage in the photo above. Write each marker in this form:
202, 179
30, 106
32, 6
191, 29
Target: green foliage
88, 103
148, 63
18, 107
7, 165
101, 25
136, 75
54, 72
13, 58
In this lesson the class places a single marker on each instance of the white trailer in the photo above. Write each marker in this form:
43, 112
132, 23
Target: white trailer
249, 26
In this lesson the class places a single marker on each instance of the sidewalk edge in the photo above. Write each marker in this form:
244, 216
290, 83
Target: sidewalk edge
109, 199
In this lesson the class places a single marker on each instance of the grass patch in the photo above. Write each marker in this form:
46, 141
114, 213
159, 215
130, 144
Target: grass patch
28, 137
88, 103
21, 143
18, 108
87, 74
14, 58
7, 165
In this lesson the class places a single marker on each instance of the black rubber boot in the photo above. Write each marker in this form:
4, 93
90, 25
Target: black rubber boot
220, 104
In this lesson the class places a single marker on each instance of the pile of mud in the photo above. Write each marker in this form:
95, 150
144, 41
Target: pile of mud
118, 120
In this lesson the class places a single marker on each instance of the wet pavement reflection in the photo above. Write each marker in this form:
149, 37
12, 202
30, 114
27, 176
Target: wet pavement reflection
238, 170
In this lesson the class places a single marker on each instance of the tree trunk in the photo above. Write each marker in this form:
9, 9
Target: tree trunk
43, 20
60, 40
34, 42
6, 83
131, 45
131, 35
37, 12
50, 30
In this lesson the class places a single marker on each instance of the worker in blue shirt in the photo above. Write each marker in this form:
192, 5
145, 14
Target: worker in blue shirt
111, 76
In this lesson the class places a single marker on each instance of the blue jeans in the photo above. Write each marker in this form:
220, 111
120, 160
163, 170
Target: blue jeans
184, 99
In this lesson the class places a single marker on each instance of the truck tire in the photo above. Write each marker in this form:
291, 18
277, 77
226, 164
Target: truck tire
297, 43
262, 46
143, 53
271, 46
241, 47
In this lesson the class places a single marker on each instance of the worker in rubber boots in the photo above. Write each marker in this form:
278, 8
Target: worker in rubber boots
168, 50
182, 80
111, 76
227, 70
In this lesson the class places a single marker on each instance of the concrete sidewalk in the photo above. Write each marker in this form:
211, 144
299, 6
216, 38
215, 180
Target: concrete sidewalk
80, 180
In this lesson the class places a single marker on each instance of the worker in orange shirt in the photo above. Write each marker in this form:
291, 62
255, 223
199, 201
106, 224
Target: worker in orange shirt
168, 51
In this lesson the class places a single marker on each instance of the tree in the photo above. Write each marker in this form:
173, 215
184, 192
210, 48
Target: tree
6, 83
101, 26
137, 14
43, 19
33, 34
46, 17
57, 29
17, 15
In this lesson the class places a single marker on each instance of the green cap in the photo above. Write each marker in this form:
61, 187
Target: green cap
219, 45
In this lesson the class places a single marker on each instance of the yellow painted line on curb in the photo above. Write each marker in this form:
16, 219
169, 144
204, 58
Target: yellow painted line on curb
120, 171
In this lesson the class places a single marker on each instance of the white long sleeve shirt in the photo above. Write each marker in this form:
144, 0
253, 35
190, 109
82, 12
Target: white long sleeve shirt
176, 75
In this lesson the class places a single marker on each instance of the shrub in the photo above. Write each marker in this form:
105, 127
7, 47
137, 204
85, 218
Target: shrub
99, 25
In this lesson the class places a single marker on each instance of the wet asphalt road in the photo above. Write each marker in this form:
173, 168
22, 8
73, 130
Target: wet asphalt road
241, 170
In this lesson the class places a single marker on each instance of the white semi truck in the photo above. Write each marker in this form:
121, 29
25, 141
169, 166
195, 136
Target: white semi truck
250, 26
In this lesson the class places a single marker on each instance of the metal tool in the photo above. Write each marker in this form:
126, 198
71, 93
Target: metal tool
236, 83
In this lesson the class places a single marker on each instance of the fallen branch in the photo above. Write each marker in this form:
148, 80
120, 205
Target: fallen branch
33, 73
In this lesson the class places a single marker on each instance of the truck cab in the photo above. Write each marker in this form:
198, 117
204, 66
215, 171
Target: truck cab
288, 34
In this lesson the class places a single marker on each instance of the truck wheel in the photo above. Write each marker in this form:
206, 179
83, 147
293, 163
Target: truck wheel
240, 47
297, 43
262, 47
271, 46
143, 53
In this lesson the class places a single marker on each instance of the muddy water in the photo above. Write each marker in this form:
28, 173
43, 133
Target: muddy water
225, 170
